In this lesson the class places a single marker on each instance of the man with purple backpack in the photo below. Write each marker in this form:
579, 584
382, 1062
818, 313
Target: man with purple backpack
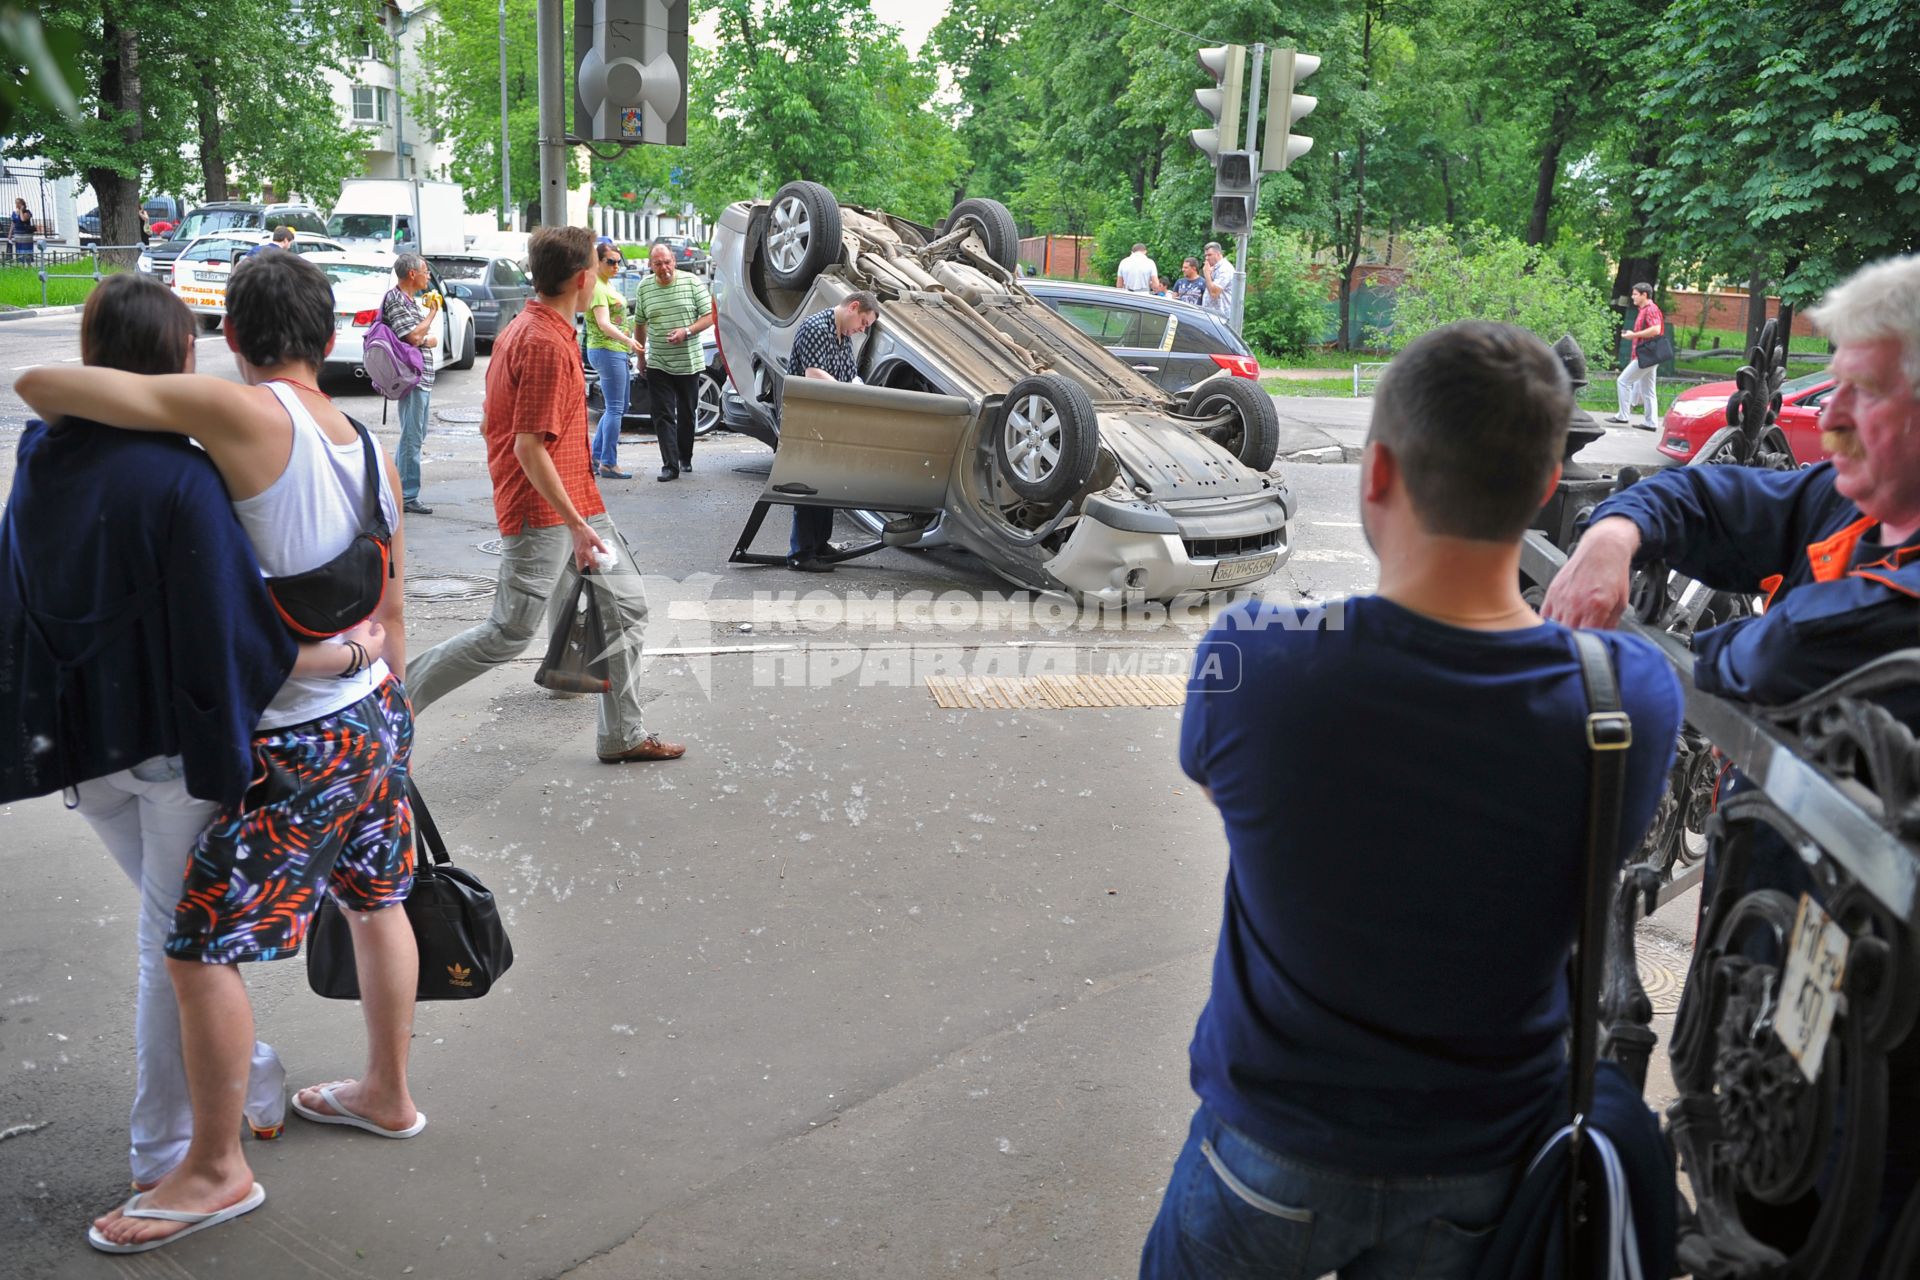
410, 321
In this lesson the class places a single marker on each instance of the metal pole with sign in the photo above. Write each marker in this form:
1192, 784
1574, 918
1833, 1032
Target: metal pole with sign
553, 117
506, 164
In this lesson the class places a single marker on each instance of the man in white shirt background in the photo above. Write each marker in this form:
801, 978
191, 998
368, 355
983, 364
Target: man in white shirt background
1219, 277
1137, 272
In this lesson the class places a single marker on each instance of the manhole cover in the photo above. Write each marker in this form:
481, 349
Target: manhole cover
449, 586
492, 546
461, 416
1056, 693
1662, 984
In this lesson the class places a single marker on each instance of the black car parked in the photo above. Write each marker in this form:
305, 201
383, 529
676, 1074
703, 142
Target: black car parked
228, 215
497, 289
687, 256
1176, 344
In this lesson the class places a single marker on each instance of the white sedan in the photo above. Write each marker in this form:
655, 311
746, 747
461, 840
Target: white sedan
200, 272
360, 281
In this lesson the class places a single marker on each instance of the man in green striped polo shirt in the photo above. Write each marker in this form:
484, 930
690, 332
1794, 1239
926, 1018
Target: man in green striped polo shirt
670, 311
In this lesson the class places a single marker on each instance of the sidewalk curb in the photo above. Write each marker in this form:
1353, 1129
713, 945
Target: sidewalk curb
23, 313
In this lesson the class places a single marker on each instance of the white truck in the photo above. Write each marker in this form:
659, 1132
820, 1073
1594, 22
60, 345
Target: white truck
399, 215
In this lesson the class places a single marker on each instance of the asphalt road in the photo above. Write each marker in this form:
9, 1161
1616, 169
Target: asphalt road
860, 987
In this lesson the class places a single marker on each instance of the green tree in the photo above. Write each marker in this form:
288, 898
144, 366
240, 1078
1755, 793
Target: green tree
142, 68
460, 97
1489, 275
1791, 136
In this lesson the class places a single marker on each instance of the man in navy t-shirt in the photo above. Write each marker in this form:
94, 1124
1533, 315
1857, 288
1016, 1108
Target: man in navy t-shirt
1403, 779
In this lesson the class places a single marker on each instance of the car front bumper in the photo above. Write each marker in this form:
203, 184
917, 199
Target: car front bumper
1127, 551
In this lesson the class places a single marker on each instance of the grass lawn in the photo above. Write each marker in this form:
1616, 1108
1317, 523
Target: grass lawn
20, 286
1733, 340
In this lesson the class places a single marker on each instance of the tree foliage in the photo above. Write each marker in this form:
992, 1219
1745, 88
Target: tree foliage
1489, 275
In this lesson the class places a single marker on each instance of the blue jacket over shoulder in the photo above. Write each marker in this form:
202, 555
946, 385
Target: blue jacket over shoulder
1834, 599
133, 616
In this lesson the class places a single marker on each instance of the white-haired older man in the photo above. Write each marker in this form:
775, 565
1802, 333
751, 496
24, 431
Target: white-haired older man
1834, 548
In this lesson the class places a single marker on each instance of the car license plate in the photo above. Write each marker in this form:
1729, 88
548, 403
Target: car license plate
1810, 988
1245, 570
341, 322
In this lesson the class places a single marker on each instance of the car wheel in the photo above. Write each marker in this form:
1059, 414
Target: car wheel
706, 406
209, 323
994, 225
802, 234
1254, 438
1046, 438
467, 349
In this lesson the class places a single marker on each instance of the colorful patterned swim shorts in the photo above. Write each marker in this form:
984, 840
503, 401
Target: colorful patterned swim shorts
327, 806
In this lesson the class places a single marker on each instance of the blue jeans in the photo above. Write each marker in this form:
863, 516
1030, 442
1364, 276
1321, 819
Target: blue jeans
616, 377
1233, 1208
413, 435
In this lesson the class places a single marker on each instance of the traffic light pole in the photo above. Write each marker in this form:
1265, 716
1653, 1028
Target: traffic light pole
553, 116
506, 140
1240, 250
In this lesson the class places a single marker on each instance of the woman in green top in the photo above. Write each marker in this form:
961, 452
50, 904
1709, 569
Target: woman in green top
608, 345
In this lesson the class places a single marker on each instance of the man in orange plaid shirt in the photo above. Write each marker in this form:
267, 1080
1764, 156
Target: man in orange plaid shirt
552, 521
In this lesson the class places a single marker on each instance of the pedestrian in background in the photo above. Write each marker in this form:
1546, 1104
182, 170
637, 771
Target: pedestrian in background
670, 309
1188, 286
282, 238
1379, 1055
1218, 275
1636, 382
1137, 272
609, 349
413, 320
21, 231
553, 523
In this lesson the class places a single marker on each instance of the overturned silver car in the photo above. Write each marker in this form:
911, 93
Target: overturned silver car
983, 418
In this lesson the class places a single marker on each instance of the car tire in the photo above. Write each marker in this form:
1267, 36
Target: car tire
1046, 438
1257, 440
802, 231
708, 403
209, 323
467, 351
995, 225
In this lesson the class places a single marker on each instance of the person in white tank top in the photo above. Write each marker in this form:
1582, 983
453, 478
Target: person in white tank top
293, 465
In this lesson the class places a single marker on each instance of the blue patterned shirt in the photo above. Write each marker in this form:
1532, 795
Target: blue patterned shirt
818, 345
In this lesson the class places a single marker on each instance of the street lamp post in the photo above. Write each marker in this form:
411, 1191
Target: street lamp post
506, 165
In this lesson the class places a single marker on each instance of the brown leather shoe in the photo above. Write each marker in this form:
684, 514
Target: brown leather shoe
650, 747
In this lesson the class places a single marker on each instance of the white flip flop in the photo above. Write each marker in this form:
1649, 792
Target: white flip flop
344, 1116
195, 1221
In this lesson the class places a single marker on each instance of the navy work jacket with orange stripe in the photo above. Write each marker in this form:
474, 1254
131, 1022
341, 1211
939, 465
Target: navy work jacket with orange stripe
1836, 598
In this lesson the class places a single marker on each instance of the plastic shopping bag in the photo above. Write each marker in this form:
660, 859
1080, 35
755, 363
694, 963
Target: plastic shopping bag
576, 660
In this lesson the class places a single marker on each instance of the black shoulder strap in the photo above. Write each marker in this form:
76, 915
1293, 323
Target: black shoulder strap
1609, 733
425, 829
376, 521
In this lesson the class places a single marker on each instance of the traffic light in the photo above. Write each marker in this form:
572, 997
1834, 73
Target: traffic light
1227, 64
1281, 146
1236, 192
630, 71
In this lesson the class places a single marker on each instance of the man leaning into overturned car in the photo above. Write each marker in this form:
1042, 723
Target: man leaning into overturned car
823, 348
1834, 548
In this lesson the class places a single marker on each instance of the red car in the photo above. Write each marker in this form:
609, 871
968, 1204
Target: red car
1702, 410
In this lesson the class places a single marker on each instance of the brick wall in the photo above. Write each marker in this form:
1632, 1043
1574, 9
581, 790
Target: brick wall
1723, 311
1060, 257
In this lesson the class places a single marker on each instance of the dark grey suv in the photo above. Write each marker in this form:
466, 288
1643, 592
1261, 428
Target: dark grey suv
227, 215
1172, 343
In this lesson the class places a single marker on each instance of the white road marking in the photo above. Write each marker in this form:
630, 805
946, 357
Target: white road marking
1334, 524
1328, 556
